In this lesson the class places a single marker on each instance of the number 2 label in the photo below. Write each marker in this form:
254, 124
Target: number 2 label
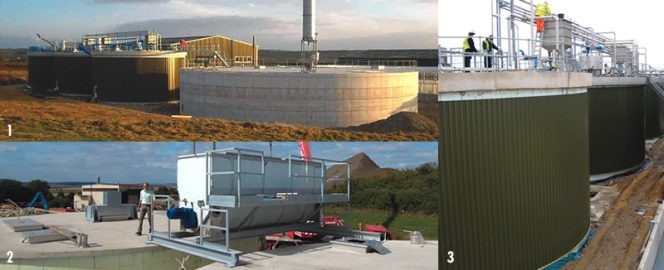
10, 254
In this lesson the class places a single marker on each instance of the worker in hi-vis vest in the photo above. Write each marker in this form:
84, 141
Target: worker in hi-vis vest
469, 47
487, 48
542, 10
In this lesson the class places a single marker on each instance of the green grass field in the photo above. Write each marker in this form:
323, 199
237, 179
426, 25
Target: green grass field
426, 224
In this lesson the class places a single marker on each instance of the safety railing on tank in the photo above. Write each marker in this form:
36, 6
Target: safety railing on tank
160, 213
521, 57
237, 173
323, 178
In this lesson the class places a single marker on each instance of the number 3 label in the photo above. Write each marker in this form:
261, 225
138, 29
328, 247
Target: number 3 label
451, 257
10, 254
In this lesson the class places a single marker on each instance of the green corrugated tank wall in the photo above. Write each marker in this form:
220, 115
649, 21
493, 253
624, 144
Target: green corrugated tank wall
654, 107
514, 191
74, 74
616, 128
137, 79
41, 72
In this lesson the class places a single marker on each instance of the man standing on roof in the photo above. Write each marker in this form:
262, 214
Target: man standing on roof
542, 10
487, 47
469, 47
145, 200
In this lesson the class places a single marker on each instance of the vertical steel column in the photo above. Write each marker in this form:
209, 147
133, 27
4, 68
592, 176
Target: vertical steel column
512, 26
239, 177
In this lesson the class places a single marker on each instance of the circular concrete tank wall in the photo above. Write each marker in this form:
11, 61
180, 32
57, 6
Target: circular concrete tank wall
513, 154
616, 126
328, 98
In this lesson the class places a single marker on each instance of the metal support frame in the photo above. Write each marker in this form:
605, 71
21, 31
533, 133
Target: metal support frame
212, 251
309, 55
201, 248
122, 39
562, 59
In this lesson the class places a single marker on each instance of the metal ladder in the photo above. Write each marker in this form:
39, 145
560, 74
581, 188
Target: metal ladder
538, 48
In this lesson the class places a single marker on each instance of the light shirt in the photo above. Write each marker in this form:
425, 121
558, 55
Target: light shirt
146, 196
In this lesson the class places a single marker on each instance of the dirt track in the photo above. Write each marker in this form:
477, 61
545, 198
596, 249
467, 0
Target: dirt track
621, 233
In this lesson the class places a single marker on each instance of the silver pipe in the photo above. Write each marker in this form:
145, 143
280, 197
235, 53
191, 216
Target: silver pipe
613, 55
516, 61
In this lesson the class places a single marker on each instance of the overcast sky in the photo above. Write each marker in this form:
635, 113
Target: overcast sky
636, 19
344, 24
128, 162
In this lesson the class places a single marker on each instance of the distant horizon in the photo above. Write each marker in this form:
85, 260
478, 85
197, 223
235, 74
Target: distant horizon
276, 24
156, 162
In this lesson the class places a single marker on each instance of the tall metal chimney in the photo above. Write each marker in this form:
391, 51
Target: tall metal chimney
309, 20
309, 45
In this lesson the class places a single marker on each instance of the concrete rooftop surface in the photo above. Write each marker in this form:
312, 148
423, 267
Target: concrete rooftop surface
404, 255
103, 237
113, 245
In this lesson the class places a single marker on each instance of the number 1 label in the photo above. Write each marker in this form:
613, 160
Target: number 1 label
10, 130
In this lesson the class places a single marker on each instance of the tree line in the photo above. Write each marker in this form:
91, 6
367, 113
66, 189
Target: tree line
23, 194
409, 190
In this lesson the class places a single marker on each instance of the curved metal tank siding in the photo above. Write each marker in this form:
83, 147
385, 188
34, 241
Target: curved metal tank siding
41, 71
513, 168
654, 111
73, 71
137, 76
329, 98
616, 126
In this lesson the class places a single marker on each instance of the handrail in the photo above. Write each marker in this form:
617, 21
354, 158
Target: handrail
237, 172
168, 206
225, 229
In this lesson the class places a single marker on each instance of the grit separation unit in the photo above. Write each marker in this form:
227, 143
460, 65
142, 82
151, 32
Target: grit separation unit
240, 193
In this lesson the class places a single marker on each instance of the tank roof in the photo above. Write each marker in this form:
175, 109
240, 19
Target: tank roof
336, 69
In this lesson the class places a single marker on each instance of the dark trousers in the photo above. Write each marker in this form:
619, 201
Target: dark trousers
145, 208
466, 60
488, 61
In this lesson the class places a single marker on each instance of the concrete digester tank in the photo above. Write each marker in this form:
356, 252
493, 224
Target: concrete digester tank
73, 72
120, 76
616, 125
331, 97
137, 76
41, 70
513, 154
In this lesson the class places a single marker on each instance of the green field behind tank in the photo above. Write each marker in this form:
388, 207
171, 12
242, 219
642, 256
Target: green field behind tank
427, 224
